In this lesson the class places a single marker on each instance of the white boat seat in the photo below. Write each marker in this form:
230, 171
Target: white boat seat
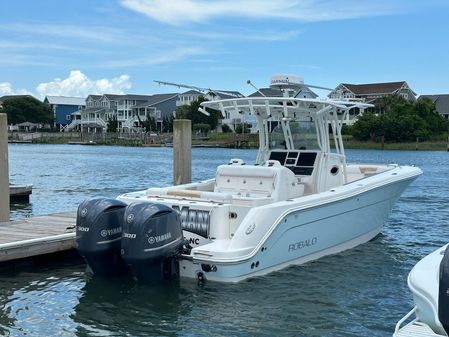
251, 182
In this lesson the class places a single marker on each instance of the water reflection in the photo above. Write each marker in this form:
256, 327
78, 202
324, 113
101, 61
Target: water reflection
119, 307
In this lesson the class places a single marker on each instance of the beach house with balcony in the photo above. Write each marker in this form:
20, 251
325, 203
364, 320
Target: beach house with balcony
369, 93
129, 111
65, 109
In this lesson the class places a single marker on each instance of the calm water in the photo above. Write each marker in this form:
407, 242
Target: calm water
361, 292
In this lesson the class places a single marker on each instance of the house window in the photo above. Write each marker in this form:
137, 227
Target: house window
404, 94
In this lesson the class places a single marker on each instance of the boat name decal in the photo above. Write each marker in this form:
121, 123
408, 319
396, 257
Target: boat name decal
302, 244
194, 220
107, 232
159, 238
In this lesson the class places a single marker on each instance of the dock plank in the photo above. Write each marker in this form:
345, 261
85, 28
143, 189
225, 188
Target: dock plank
37, 235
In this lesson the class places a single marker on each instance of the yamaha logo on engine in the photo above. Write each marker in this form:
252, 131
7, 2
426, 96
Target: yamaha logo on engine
156, 239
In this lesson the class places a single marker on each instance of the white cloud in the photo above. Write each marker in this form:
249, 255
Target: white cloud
155, 59
6, 89
247, 35
78, 84
178, 12
97, 33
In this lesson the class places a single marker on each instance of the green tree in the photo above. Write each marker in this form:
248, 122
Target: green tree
367, 127
150, 124
201, 129
226, 128
112, 124
27, 109
243, 128
400, 120
167, 124
191, 112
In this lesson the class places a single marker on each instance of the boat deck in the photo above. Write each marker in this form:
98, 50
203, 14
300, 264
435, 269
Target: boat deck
37, 235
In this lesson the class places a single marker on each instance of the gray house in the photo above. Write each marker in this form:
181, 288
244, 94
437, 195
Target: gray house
130, 111
159, 107
441, 103
368, 93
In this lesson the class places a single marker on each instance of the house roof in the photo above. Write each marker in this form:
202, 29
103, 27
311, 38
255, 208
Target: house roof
441, 102
64, 100
192, 92
29, 124
374, 88
112, 96
156, 99
94, 96
137, 97
267, 92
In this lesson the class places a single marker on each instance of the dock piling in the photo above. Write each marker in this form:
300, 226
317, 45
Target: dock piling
182, 151
4, 170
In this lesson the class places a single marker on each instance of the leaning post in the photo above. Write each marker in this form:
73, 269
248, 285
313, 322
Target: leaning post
182, 151
4, 171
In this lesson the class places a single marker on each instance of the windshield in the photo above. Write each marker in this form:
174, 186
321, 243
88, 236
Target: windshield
303, 134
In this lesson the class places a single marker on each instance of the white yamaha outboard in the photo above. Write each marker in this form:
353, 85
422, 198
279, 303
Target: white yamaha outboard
429, 284
98, 235
443, 293
152, 241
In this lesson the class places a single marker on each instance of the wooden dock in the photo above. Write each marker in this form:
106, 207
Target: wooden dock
20, 193
39, 235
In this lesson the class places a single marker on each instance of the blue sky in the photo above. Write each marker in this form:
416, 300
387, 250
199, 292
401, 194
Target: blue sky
80, 47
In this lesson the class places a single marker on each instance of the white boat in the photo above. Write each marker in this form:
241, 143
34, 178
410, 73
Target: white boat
298, 202
429, 284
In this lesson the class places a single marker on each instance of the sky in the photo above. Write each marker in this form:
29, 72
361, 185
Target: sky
82, 47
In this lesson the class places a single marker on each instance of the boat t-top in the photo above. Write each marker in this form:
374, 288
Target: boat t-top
299, 201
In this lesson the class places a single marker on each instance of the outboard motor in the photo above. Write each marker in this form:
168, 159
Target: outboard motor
152, 241
443, 291
98, 235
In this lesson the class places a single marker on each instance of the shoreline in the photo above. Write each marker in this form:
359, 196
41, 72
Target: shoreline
218, 140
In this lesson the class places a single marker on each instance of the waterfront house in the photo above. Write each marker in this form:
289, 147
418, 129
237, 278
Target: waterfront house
232, 118
158, 107
188, 97
129, 111
65, 109
369, 93
441, 103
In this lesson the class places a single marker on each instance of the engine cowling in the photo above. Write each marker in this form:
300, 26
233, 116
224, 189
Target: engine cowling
443, 293
98, 235
152, 241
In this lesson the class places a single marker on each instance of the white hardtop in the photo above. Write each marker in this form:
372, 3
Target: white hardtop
284, 111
